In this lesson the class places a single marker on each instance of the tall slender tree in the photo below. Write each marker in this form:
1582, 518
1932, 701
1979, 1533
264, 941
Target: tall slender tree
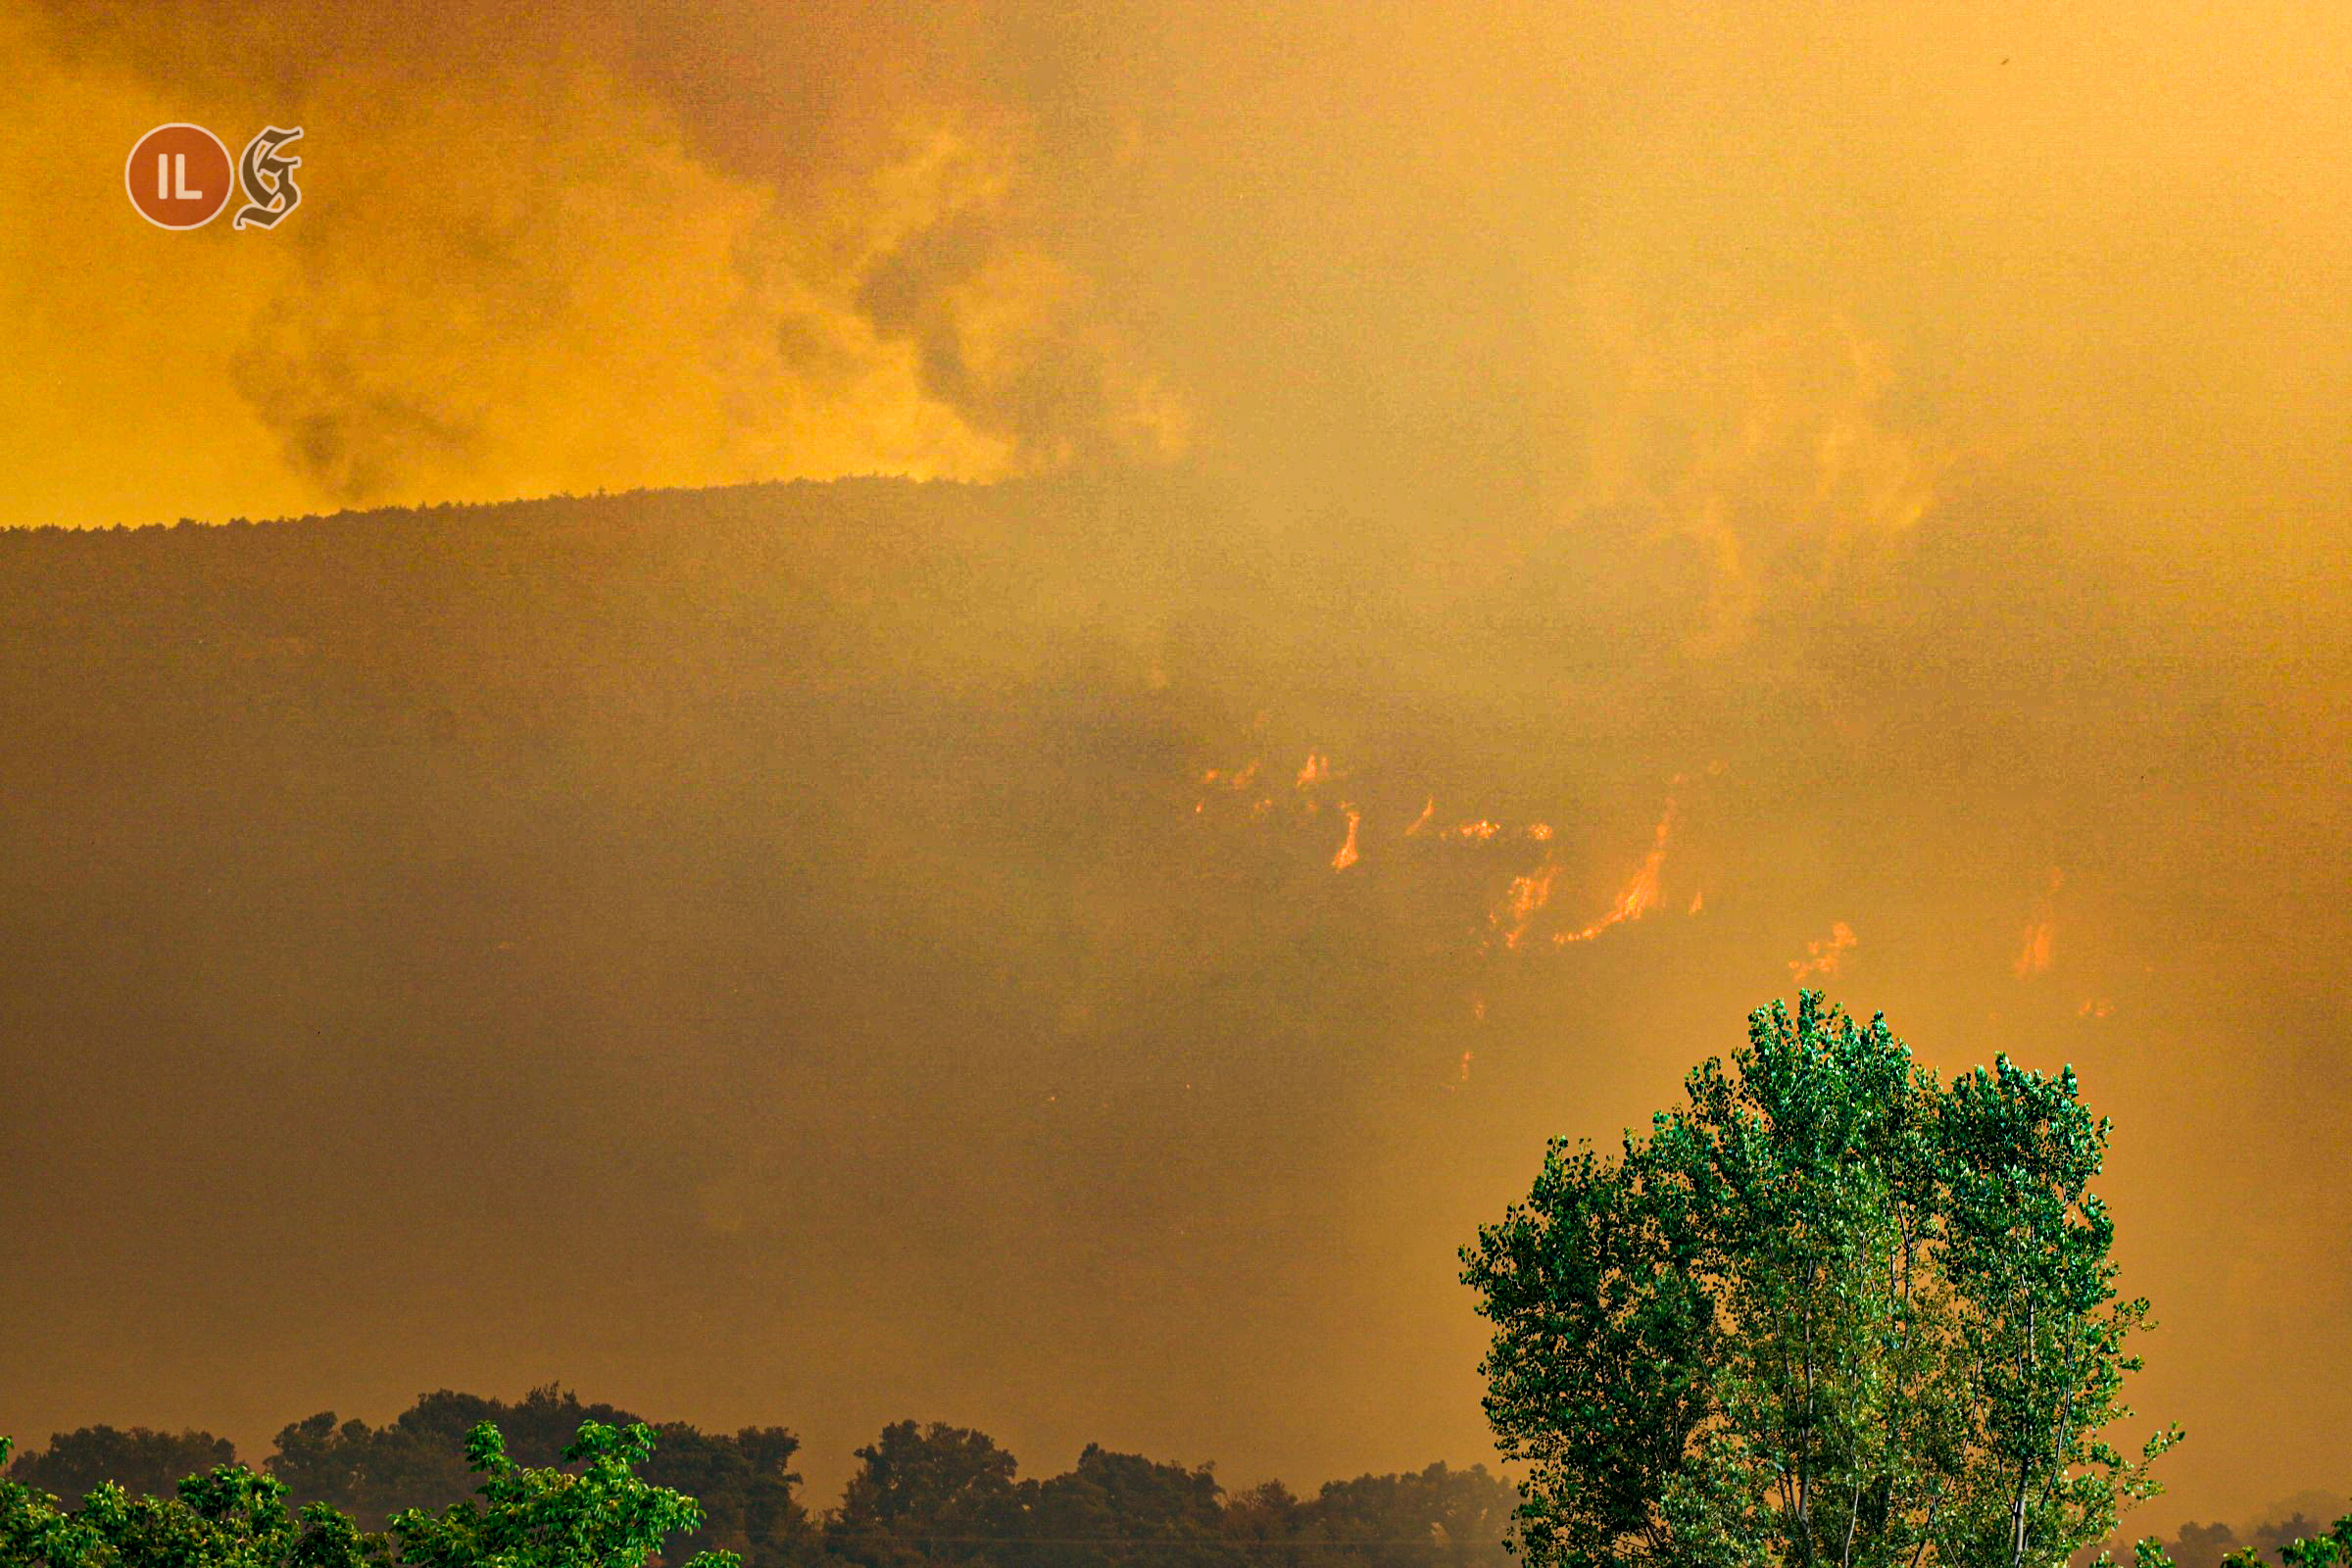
1829, 1311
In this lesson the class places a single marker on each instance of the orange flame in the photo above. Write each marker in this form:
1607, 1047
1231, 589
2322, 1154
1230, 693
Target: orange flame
1525, 906
2094, 1007
1347, 854
1640, 894
1699, 901
1823, 956
1527, 897
2041, 933
1236, 779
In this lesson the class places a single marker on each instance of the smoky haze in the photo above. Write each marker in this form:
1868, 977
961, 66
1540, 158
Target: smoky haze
1870, 490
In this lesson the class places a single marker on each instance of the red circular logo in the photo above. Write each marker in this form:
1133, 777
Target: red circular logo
178, 177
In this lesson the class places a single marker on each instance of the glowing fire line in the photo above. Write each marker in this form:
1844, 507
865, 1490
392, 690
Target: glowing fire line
1348, 855
1639, 894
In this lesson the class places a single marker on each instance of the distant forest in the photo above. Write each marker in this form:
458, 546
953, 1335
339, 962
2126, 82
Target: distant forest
921, 1494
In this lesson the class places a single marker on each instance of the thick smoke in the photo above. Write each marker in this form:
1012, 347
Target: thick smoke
514, 274
1939, 427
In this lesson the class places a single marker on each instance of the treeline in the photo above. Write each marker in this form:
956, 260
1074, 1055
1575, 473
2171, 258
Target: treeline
2279, 1540
922, 1495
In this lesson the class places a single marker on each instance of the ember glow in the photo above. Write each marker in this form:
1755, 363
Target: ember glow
1522, 903
1640, 894
1523, 912
1348, 855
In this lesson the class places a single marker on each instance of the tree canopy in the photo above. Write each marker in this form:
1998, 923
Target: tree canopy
345, 1494
139, 1460
599, 1515
1829, 1310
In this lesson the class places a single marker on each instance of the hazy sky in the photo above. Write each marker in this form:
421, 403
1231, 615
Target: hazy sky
1908, 443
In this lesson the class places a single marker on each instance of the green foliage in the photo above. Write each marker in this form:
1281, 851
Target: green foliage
744, 1481
418, 1458
1831, 1311
2297, 1540
27, 1516
225, 1518
2331, 1550
924, 1496
601, 1517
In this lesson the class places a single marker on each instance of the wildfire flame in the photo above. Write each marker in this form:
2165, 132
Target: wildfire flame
1347, 854
1528, 894
1640, 894
1234, 779
1521, 912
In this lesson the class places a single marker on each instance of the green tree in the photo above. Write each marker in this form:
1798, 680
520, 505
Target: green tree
745, 1483
226, 1518
601, 1517
2197, 1545
418, 1459
2332, 1549
26, 1515
1831, 1311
